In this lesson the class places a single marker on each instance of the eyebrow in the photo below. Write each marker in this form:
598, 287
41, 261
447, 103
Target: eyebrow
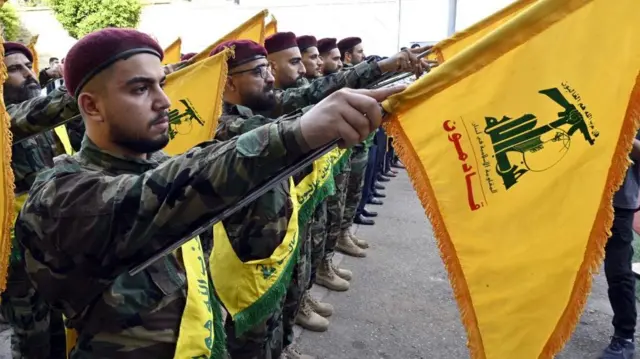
143, 79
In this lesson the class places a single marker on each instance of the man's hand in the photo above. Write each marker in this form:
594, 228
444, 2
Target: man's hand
406, 61
174, 67
350, 115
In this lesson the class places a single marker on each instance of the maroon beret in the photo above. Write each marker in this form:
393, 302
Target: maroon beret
99, 50
245, 51
16, 47
187, 56
280, 41
327, 44
347, 44
306, 41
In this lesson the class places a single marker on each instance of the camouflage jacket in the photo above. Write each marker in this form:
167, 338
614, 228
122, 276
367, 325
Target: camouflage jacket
95, 215
259, 228
299, 97
34, 146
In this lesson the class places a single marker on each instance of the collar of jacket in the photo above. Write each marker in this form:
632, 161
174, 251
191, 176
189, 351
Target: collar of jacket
93, 155
230, 109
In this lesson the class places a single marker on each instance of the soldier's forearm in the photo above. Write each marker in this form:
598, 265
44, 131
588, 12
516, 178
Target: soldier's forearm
294, 99
41, 113
157, 208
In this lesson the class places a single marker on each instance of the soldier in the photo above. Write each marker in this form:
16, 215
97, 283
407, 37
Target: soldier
285, 60
38, 331
352, 54
311, 59
330, 56
259, 229
118, 201
351, 51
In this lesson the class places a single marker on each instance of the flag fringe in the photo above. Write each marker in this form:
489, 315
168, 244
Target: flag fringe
601, 230
8, 185
594, 252
422, 185
265, 306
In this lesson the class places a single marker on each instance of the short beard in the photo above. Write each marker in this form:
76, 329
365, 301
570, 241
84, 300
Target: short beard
265, 101
120, 137
18, 94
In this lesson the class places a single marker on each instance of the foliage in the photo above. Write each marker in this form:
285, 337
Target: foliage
10, 22
80, 17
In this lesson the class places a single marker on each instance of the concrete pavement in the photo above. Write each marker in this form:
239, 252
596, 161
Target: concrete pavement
400, 304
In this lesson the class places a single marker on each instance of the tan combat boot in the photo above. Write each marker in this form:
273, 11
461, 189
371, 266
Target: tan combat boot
324, 309
359, 242
310, 320
348, 247
341, 272
326, 277
292, 353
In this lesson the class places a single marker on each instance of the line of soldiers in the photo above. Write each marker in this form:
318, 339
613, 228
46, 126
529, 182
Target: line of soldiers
86, 219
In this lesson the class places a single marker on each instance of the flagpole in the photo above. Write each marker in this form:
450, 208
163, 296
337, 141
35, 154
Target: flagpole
399, 24
453, 12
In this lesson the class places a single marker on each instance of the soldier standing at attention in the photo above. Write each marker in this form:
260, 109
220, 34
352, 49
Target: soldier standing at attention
38, 331
311, 59
119, 200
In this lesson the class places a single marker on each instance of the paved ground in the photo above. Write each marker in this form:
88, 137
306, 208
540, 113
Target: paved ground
400, 304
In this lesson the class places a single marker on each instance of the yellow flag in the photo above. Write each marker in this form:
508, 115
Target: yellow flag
271, 28
446, 48
252, 29
196, 102
515, 147
6, 181
32, 48
172, 52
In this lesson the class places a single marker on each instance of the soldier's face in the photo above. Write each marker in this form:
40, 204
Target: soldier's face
356, 55
312, 62
251, 85
21, 84
287, 67
129, 109
332, 62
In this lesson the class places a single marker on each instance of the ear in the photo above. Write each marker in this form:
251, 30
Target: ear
347, 57
274, 67
229, 86
89, 108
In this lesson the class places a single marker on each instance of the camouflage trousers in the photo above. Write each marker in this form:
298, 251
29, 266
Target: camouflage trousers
318, 238
355, 184
38, 330
335, 211
269, 339
264, 341
297, 287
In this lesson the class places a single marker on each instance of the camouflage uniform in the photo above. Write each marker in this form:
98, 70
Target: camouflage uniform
38, 332
335, 211
355, 183
94, 215
255, 232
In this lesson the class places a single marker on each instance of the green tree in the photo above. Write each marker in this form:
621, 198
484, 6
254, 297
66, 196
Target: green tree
80, 17
10, 22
